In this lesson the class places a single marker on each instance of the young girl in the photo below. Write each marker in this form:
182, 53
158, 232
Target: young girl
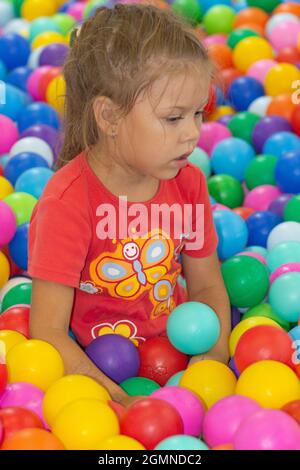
126, 211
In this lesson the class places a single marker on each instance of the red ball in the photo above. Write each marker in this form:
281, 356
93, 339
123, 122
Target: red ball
212, 101
226, 77
3, 377
289, 54
16, 418
46, 79
150, 420
16, 318
244, 212
263, 342
295, 120
119, 409
160, 360
293, 409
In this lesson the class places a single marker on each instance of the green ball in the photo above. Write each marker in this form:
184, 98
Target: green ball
17, 6
267, 5
189, 9
242, 125
20, 294
64, 22
41, 25
260, 171
292, 209
246, 280
226, 190
238, 35
90, 6
219, 19
139, 386
200, 158
265, 310
22, 205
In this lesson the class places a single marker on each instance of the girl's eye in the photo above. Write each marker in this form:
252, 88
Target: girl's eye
175, 119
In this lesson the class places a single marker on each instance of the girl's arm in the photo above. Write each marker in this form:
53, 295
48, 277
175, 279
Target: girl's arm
205, 284
49, 321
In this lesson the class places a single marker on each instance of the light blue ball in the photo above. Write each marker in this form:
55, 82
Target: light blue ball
231, 157
6, 13
257, 249
42, 24
283, 253
295, 335
232, 233
284, 296
200, 158
193, 328
33, 181
181, 442
12, 101
3, 71
175, 379
280, 143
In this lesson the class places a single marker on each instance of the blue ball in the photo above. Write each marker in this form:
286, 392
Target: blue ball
284, 296
232, 233
175, 379
193, 328
34, 181
18, 247
295, 335
19, 77
280, 143
243, 91
14, 50
38, 113
3, 71
12, 101
181, 442
287, 172
231, 157
21, 162
260, 224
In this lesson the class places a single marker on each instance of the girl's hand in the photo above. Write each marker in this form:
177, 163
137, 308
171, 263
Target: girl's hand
129, 400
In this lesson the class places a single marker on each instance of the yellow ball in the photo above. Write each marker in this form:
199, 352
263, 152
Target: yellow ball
245, 325
280, 79
4, 269
6, 188
68, 389
85, 423
10, 339
56, 92
219, 112
32, 9
210, 380
120, 442
36, 362
272, 384
47, 38
250, 50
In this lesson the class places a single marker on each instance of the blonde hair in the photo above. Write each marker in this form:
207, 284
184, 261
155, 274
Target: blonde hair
119, 53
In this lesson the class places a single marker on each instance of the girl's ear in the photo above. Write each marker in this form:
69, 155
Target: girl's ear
105, 112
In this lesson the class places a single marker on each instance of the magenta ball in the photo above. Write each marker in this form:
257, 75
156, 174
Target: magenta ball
76, 10
224, 417
34, 80
215, 39
285, 34
187, 404
260, 69
261, 197
9, 134
211, 134
284, 269
268, 430
219, 207
8, 224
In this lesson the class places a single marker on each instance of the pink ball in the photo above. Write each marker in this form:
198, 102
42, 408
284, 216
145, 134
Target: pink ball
211, 134
76, 11
220, 207
24, 395
188, 406
224, 417
34, 80
215, 39
260, 69
283, 269
268, 430
8, 224
253, 255
285, 34
261, 197
9, 134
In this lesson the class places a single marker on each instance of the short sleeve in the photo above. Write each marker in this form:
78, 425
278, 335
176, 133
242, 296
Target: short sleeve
203, 239
58, 243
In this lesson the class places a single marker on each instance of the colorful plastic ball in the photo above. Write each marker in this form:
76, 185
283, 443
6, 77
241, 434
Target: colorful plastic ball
254, 255
160, 360
266, 5
250, 50
33, 61
220, 112
243, 91
199, 158
24, 395
290, 55
293, 409
284, 232
22, 205
284, 34
16, 418
18, 247
210, 380
278, 205
282, 105
151, 420
54, 55
280, 79
267, 127
271, 383
34, 145
8, 224
50, 135
246, 280
19, 77
14, 50
47, 38
17, 319
243, 212
4, 270
34, 181
42, 24
268, 430
19, 294
232, 156
68, 389
221, 55
287, 170
261, 197
283, 253
32, 439
265, 310
10, 134
56, 93
38, 113
260, 106
219, 19
222, 420
242, 125
238, 35
14, 101
26, 362
291, 210
227, 76
193, 328
288, 7
259, 69
32, 9
175, 379
211, 134
284, 269
284, 296
226, 190
232, 233
33, 82
13, 282
260, 224
190, 11
261, 171
65, 22
295, 119
277, 19
21, 162
214, 39
282, 143
181, 442
120, 442
46, 79
139, 386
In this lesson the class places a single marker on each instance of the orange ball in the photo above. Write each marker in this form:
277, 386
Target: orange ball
46, 79
293, 409
226, 77
289, 54
32, 439
243, 212
223, 447
221, 55
257, 28
290, 7
251, 15
281, 105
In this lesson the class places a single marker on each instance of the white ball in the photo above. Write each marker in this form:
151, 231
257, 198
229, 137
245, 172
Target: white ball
34, 58
260, 105
35, 145
15, 281
6, 13
18, 26
284, 232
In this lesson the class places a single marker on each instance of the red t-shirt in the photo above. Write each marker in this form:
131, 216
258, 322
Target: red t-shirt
122, 259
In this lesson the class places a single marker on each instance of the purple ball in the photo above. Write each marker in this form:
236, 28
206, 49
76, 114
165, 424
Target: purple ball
115, 355
232, 366
266, 127
235, 317
225, 119
277, 206
46, 133
54, 55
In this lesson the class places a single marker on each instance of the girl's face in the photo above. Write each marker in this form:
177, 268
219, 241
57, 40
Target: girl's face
164, 126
